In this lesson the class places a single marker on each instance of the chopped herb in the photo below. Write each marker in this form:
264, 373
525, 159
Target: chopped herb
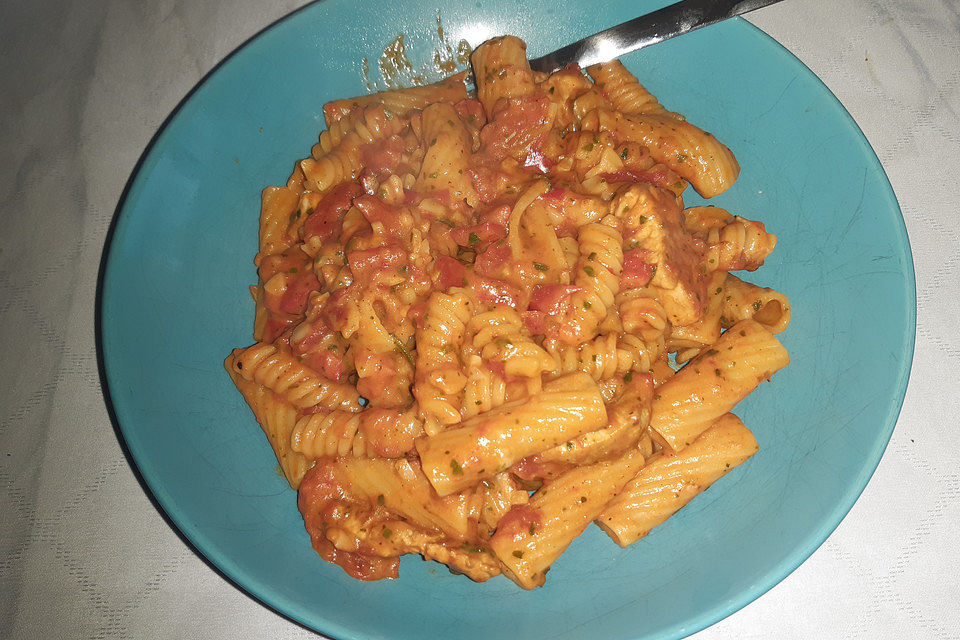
681, 157
517, 553
402, 349
589, 271
387, 532
628, 376
434, 174
583, 499
473, 239
624, 154
294, 270
380, 499
539, 266
589, 147
533, 528
756, 305
592, 256
552, 89
446, 221
742, 332
717, 371
472, 117
402, 269
709, 352
464, 282
586, 304
456, 468
643, 219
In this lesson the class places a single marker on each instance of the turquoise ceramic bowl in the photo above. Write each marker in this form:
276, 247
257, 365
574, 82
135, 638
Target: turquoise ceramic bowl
174, 302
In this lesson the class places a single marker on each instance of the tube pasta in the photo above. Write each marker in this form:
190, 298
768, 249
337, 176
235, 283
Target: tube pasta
487, 444
622, 89
450, 90
712, 383
667, 483
530, 537
694, 154
742, 301
445, 162
471, 312
502, 71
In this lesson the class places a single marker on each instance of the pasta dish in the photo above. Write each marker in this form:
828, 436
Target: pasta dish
485, 321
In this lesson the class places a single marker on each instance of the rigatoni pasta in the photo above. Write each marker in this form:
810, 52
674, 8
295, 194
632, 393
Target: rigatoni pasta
485, 321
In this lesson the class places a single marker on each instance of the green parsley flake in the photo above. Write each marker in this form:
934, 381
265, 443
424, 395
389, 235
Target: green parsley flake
402, 349
456, 468
589, 271
473, 239
539, 266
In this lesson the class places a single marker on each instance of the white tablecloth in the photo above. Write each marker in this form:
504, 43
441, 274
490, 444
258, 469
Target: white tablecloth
84, 554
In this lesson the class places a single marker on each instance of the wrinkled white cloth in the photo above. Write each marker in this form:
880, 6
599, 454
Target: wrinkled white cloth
84, 554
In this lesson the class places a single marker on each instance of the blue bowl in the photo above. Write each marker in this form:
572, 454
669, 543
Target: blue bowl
174, 302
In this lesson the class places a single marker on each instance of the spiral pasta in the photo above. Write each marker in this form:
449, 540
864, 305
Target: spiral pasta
329, 435
277, 370
344, 160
